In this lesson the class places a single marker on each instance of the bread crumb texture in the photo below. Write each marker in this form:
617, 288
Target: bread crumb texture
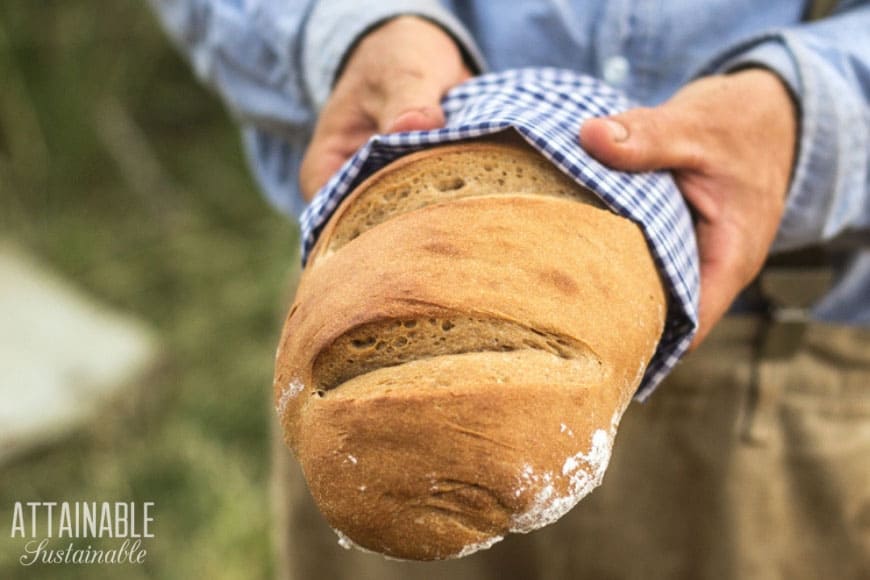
449, 173
390, 343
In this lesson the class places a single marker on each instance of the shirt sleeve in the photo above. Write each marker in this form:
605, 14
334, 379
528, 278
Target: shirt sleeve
826, 65
249, 51
273, 63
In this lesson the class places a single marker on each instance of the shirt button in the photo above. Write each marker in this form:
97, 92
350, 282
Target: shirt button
616, 70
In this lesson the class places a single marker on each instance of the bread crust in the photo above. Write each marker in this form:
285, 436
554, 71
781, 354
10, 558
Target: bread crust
436, 452
495, 166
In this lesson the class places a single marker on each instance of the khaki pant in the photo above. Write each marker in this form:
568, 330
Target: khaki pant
751, 461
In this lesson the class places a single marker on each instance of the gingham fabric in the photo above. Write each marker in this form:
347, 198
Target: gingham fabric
547, 107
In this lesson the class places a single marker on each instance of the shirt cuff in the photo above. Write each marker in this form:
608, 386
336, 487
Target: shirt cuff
334, 27
772, 55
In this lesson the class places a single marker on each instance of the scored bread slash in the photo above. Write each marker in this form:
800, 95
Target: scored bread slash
462, 345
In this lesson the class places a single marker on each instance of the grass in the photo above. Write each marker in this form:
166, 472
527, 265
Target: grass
127, 178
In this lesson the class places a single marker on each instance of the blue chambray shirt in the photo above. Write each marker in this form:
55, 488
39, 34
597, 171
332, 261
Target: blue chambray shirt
273, 62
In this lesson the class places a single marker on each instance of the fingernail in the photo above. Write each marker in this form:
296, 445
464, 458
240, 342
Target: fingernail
618, 131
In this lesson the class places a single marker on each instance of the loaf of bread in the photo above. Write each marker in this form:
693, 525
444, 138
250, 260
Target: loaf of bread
469, 329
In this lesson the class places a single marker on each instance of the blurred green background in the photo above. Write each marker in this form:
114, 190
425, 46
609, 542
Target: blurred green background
126, 177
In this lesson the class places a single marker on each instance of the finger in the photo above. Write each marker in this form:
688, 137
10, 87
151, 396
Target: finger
416, 119
408, 102
322, 159
340, 131
343, 127
643, 139
411, 102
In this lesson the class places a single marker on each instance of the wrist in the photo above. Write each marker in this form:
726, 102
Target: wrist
411, 24
768, 86
335, 29
384, 35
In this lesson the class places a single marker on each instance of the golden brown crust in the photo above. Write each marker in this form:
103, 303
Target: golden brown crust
439, 450
406, 464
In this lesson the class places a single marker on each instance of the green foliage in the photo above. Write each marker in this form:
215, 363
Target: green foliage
126, 176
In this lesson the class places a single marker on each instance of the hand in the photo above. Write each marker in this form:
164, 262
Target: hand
392, 81
730, 142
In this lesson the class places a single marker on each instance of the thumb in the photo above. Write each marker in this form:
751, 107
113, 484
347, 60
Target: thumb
412, 103
643, 139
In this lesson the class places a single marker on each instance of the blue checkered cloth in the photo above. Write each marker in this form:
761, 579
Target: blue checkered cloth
547, 107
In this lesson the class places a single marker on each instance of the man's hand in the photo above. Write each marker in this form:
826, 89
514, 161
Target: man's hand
730, 142
392, 81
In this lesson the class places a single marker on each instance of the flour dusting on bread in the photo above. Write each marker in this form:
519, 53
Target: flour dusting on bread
472, 548
290, 391
584, 472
